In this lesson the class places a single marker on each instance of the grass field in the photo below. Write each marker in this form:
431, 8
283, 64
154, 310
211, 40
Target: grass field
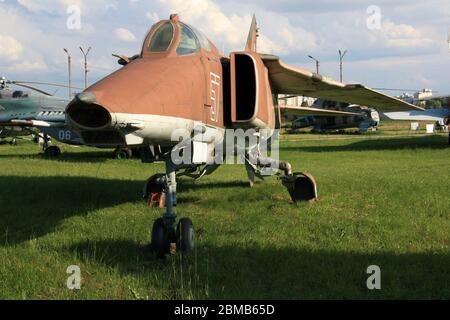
383, 201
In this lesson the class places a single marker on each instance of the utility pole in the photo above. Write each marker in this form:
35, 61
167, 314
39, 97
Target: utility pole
85, 54
341, 58
317, 63
448, 37
69, 65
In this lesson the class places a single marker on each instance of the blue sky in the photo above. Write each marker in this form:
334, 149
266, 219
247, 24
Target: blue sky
394, 44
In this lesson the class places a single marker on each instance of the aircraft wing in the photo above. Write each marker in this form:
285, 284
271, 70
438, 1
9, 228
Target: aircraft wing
428, 115
32, 123
291, 80
302, 111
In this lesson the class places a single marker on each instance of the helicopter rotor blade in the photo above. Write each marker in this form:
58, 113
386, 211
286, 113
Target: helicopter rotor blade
44, 84
32, 88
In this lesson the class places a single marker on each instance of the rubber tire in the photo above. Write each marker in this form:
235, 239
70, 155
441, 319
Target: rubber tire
185, 235
123, 154
160, 238
52, 152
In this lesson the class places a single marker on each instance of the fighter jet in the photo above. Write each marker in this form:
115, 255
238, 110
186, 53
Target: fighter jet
362, 118
181, 83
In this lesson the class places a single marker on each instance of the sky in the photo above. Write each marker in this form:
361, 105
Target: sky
390, 43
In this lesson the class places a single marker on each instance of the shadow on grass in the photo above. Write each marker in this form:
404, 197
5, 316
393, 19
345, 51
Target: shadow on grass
31, 207
75, 157
268, 273
432, 142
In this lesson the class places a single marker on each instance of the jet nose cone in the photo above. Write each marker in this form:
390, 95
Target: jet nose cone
84, 112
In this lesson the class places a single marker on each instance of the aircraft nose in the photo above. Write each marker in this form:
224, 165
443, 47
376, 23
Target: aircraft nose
86, 113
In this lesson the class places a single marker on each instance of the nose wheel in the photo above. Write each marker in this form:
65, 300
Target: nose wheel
160, 242
166, 239
185, 235
168, 235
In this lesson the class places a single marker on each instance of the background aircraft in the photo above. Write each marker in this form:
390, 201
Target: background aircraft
441, 116
365, 117
195, 89
41, 114
360, 117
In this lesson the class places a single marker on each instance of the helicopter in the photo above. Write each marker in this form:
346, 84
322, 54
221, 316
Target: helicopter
40, 114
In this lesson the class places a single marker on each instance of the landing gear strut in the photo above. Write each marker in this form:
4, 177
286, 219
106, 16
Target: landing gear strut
50, 151
168, 235
301, 186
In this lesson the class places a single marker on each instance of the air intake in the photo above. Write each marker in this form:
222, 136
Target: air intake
89, 116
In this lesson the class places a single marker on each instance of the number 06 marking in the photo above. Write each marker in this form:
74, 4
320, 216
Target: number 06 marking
64, 135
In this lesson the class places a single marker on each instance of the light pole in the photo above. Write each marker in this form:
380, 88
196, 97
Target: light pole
341, 58
85, 54
448, 37
69, 66
317, 63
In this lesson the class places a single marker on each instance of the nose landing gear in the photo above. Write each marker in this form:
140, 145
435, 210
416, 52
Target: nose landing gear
167, 235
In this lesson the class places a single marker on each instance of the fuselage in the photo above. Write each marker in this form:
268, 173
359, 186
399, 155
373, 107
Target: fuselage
179, 80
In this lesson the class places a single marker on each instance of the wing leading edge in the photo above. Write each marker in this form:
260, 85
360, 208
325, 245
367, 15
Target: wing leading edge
301, 111
291, 80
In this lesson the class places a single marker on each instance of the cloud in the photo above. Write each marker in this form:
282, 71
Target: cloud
230, 30
409, 50
10, 48
29, 66
406, 36
125, 35
153, 17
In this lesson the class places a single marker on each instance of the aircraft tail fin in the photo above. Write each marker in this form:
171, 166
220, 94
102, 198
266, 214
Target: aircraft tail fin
252, 36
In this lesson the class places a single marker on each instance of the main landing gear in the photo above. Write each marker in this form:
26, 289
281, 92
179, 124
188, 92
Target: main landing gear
168, 235
301, 186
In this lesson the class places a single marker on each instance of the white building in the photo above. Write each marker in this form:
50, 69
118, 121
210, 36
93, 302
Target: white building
425, 93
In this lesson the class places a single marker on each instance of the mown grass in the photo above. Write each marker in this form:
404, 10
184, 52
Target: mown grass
382, 202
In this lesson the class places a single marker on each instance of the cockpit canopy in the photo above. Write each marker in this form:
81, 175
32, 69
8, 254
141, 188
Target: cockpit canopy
163, 39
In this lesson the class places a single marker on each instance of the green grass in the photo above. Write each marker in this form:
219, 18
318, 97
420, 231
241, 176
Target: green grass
382, 202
